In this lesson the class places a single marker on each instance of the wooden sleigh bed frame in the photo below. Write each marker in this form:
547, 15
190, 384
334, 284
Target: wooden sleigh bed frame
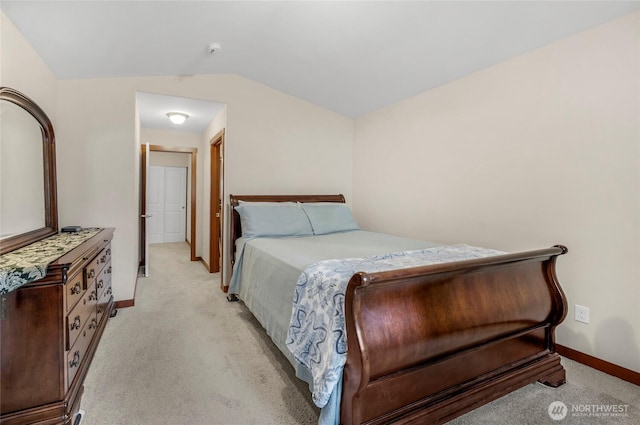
431, 343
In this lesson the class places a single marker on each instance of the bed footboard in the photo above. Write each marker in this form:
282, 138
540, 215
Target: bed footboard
428, 344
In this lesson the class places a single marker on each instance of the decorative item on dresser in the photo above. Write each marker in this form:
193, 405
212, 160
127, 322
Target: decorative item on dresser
55, 288
50, 330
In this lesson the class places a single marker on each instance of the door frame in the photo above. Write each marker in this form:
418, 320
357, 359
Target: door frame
143, 196
216, 152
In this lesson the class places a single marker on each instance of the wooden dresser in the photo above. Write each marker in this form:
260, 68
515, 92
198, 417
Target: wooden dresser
50, 331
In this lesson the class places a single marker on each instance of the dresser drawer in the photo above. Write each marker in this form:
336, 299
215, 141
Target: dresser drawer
93, 269
81, 315
78, 352
104, 277
104, 298
74, 290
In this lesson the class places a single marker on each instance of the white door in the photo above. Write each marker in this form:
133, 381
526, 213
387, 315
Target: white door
166, 204
175, 204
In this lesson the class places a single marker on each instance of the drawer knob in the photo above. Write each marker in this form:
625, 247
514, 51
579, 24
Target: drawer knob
76, 289
76, 323
76, 359
100, 283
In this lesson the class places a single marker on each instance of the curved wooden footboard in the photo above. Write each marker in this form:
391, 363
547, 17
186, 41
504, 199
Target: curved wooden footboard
430, 343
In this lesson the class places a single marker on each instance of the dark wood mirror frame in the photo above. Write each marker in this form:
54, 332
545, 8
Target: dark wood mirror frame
49, 168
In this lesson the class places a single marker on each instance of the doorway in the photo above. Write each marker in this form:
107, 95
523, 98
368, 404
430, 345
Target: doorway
167, 204
144, 171
215, 211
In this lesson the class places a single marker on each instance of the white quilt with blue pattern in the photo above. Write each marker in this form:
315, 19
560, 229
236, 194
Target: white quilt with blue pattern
317, 335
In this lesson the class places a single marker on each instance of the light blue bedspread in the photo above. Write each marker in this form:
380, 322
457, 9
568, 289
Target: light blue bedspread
265, 276
317, 334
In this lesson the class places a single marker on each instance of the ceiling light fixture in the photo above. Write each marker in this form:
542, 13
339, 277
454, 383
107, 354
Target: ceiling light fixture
177, 117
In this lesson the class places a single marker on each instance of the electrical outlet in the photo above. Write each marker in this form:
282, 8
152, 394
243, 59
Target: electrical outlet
581, 314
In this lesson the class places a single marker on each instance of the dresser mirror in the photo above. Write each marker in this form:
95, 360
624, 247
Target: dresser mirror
28, 205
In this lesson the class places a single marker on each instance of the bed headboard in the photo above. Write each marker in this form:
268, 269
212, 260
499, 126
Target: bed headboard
235, 230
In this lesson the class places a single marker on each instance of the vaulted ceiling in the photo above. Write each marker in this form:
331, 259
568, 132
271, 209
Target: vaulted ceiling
351, 57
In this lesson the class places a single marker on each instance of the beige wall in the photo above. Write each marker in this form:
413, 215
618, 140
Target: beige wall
170, 159
535, 151
539, 150
21, 68
275, 143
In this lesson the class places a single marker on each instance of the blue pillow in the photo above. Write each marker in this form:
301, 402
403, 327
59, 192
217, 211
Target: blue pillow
328, 217
273, 219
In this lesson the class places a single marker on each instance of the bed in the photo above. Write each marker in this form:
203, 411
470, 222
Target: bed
426, 343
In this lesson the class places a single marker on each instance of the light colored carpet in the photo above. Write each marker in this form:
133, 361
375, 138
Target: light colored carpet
184, 355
